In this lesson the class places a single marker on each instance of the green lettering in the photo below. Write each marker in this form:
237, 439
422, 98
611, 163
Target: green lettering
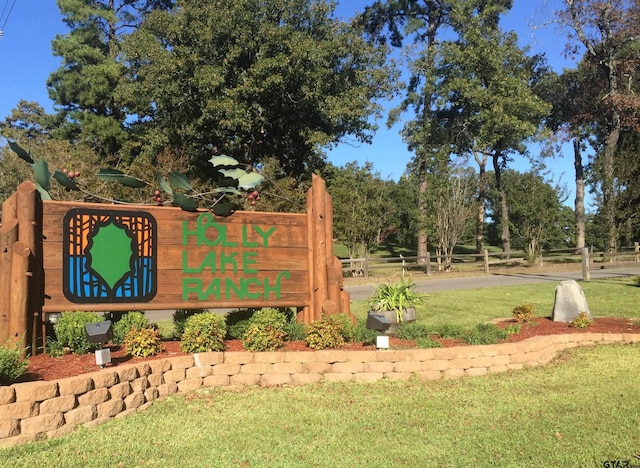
276, 289
246, 282
245, 240
228, 258
265, 234
209, 261
229, 285
191, 285
246, 262
213, 289
186, 233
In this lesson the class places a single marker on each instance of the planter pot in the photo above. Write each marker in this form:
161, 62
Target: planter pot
408, 315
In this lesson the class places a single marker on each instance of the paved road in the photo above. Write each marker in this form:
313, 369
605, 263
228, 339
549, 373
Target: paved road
469, 282
502, 279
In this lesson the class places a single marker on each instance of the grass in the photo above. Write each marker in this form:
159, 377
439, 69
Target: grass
580, 410
617, 297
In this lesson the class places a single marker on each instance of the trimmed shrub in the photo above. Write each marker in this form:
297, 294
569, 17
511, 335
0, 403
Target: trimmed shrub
12, 364
582, 320
133, 320
325, 333
143, 342
485, 333
70, 331
265, 331
203, 332
180, 316
523, 313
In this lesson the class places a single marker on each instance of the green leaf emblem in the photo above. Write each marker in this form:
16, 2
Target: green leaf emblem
111, 253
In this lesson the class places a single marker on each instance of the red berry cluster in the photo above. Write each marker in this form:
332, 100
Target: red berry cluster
71, 174
253, 197
157, 197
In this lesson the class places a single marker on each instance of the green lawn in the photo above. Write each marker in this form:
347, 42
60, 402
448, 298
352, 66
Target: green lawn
580, 410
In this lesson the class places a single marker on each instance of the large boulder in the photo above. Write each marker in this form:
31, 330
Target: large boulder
569, 302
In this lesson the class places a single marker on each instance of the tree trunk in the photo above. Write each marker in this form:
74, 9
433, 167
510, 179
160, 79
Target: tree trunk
482, 188
422, 215
505, 236
579, 202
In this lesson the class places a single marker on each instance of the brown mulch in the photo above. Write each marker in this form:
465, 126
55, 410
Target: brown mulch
44, 367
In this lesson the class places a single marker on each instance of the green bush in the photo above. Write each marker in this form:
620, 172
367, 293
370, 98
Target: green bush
71, 333
294, 331
523, 313
180, 316
266, 330
237, 330
485, 333
12, 364
143, 342
128, 321
449, 331
411, 331
203, 332
582, 320
325, 333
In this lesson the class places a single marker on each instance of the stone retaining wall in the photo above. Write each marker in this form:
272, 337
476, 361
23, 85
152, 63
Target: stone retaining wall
34, 410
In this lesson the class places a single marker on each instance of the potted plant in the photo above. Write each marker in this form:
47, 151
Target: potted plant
396, 302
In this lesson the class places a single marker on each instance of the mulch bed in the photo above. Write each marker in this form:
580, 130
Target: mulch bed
44, 367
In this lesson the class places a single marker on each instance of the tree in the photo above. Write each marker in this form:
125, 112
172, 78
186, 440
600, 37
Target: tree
608, 30
363, 214
487, 98
538, 218
275, 79
454, 209
396, 21
88, 87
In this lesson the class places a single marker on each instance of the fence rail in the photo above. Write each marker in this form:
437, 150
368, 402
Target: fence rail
368, 266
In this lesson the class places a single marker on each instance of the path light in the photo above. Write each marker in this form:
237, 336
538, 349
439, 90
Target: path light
100, 332
53, 318
380, 323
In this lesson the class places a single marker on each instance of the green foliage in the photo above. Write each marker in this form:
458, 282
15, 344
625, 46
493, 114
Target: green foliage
12, 364
54, 348
128, 321
142, 342
238, 329
485, 333
412, 331
427, 342
282, 77
266, 330
513, 329
203, 332
71, 333
294, 331
395, 296
361, 334
324, 333
180, 317
523, 313
581, 320
448, 330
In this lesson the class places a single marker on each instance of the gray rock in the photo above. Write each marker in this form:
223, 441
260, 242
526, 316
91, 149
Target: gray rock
569, 302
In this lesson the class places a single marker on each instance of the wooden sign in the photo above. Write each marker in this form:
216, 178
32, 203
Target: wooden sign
68, 256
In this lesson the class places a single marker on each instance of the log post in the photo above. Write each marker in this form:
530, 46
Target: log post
8, 237
19, 294
319, 266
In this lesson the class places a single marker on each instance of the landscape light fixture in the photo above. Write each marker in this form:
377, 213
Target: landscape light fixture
378, 322
53, 317
382, 342
100, 332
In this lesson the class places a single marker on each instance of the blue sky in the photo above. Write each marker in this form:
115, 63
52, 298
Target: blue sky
26, 61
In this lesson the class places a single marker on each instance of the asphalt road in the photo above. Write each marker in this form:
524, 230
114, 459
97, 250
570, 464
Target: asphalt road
468, 282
